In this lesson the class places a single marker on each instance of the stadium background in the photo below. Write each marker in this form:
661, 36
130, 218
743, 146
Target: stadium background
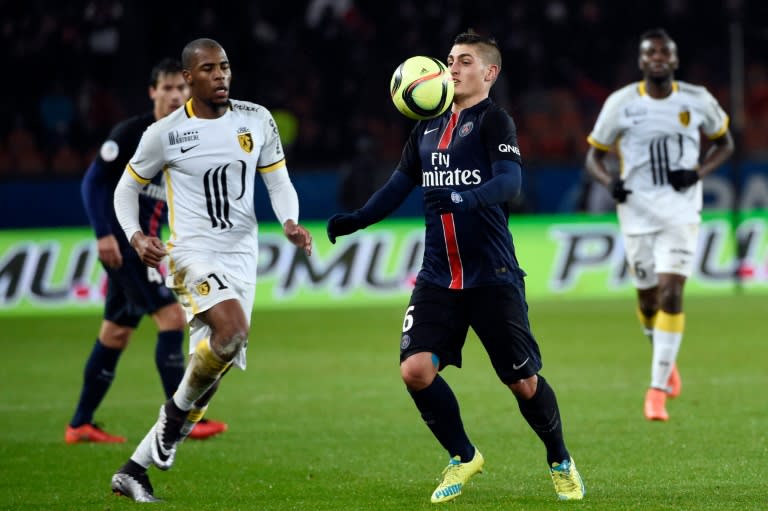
323, 67
320, 420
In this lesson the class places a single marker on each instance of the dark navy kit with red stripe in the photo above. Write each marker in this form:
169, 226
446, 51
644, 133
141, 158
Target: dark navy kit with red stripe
457, 151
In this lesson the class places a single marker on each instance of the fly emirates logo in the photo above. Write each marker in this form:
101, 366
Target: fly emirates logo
453, 177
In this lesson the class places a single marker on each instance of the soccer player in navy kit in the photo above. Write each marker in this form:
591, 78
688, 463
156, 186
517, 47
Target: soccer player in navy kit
468, 164
133, 289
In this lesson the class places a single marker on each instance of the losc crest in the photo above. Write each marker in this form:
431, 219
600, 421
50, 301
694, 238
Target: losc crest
245, 140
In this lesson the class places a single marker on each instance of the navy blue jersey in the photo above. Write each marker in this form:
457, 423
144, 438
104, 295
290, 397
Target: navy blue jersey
101, 178
474, 248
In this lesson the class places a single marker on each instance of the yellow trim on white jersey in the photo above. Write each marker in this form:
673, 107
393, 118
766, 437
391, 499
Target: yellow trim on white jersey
170, 202
599, 145
271, 168
643, 92
722, 130
134, 175
188, 108
654, 137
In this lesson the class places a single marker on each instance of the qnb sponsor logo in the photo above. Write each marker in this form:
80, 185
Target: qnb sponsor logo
507, 148
451, 177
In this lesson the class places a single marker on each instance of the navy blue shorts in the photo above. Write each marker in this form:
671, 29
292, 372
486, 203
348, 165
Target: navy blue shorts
437, 321
134, 290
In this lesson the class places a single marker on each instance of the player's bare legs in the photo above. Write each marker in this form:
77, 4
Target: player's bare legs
211, 359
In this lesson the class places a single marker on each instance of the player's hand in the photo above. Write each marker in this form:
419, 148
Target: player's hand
446, 200
618, 192
298, 235
150, 249
342, 224
109, 251
682, 179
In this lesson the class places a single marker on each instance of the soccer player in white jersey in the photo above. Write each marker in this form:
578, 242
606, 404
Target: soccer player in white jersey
655, 126
210, 151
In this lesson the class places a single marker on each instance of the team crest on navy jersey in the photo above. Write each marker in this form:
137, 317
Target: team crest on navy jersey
685, 117
465, 129
245, 139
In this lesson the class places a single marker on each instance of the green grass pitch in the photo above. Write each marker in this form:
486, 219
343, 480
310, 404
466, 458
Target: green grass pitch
321, 421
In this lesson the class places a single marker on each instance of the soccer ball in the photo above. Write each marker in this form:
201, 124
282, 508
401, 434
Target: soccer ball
421, 88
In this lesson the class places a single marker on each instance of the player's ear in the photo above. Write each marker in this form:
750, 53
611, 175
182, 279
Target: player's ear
187, 76
674, 62
491, 73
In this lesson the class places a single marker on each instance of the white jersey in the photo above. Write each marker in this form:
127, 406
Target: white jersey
210, 166
653, 137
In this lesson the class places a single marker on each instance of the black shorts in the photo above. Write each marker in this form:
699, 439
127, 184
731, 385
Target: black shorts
437, 321
134, 290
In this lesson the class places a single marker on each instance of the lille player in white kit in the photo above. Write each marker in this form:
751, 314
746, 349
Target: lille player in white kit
211, 151
655, 126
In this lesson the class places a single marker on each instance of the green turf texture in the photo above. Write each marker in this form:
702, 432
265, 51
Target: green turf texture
321, 420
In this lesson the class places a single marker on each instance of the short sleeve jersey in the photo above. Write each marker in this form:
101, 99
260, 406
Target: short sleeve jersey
653, 137
210, 166
112, 158
474, 248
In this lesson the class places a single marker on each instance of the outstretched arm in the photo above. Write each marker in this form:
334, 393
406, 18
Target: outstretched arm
383, 202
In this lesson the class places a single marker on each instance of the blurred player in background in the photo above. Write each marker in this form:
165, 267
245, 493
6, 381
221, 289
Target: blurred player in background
133, 290
655, 127
211, 151
470, 276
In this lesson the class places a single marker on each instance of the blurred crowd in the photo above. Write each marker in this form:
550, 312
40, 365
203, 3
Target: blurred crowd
323, 68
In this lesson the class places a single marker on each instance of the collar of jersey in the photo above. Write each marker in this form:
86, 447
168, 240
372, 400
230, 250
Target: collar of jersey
191, 113
641, 88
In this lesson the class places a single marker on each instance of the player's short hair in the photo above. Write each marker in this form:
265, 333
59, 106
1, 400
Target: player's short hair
188, 53
489, 50
655, 33
166, 66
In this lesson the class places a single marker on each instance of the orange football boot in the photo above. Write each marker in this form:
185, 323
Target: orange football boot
207, 428
674, 383
90, 433
655, 405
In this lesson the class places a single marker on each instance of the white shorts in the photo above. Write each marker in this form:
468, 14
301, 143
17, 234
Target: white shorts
672, 250
200, 286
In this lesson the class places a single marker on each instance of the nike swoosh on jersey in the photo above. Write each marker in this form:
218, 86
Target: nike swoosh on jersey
518, 366
427, 132
185, 149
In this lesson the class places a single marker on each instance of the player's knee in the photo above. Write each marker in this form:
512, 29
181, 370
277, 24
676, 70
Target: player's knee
524, 389
647, 310
671, 298
228, 346
417, 371
170, 317
115, 336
